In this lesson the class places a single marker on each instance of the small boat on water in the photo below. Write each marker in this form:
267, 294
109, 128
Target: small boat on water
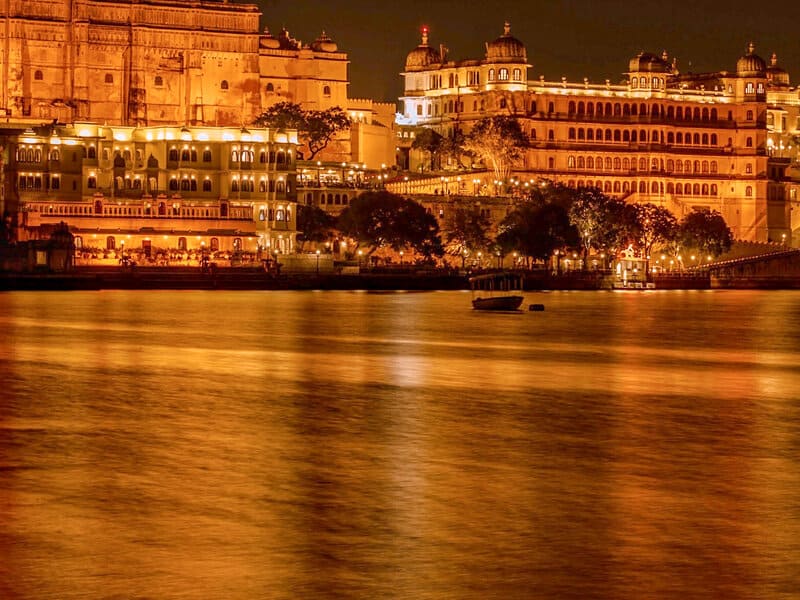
496, 291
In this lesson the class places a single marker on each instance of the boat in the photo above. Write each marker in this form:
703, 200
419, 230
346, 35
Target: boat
496, 291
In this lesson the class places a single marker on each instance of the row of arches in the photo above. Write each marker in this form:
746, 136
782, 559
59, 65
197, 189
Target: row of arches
628, 109
642, 136
655, 187
34, 155
641, 164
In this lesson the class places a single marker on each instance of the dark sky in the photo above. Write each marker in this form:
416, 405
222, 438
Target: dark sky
572, 38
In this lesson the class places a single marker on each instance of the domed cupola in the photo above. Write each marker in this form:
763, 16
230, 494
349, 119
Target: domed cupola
751, 64
506, 48
649, 63
778, 76
423, 56
267, 40
324, 44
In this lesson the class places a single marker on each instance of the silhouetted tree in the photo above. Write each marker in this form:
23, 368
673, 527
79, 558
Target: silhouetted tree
315, 128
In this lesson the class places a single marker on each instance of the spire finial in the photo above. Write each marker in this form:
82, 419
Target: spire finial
506, 28
751, 47
774, 60
424, 35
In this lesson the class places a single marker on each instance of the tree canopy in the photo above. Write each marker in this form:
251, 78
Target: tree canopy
381, 218
603, 223
315, 128
313, 224
705, 230
465, 228
498, 142
431, 142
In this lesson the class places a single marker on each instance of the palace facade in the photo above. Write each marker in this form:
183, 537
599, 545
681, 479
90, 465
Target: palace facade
155, 189
167, 62
725, 140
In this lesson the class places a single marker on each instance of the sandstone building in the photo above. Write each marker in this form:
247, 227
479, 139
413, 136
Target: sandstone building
723, 140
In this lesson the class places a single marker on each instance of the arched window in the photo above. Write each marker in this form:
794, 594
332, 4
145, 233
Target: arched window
581, 134
517, 74
224, 84
679, 189
704, 189
38, 76
696, 189
713, 189
749, 142
173, 184
158, 81
670, 188
713, 166
608, 135
608, 163
598, 163
91, 182
280, 188
617, 135
326, 91
654, 187
91, 152
589, 162
642, 187
590, 135
571, 133
111, 243
235, 185
571, 162
491, 74
617, 164
607, 187
643, 164
581, 162
571, 107
503, 74
551, 107
270, 88
109, 78
713, 139
173, 154
185, 154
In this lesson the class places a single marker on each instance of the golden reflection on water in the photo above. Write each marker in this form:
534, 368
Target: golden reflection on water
285, 445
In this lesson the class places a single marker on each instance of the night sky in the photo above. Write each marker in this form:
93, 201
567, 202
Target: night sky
571, 38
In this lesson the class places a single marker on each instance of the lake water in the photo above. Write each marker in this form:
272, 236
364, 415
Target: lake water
182, 445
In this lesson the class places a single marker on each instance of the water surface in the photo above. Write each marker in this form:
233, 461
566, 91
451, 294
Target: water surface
351, 445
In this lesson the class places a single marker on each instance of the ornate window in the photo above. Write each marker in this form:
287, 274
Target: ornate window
158, 81
109, 78
38, 76
224, 84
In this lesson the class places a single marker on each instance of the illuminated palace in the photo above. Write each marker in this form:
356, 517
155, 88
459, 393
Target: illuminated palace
149, 79
158, 188
721, 140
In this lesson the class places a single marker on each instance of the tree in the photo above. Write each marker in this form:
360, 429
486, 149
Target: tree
315, 128
498, 142
706, 231
656, 225
431, 142
465, 228
603, 223
537, 230
313, 223
381, 218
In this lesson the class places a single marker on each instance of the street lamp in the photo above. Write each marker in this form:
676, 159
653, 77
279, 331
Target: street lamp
401, 258
318, 261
